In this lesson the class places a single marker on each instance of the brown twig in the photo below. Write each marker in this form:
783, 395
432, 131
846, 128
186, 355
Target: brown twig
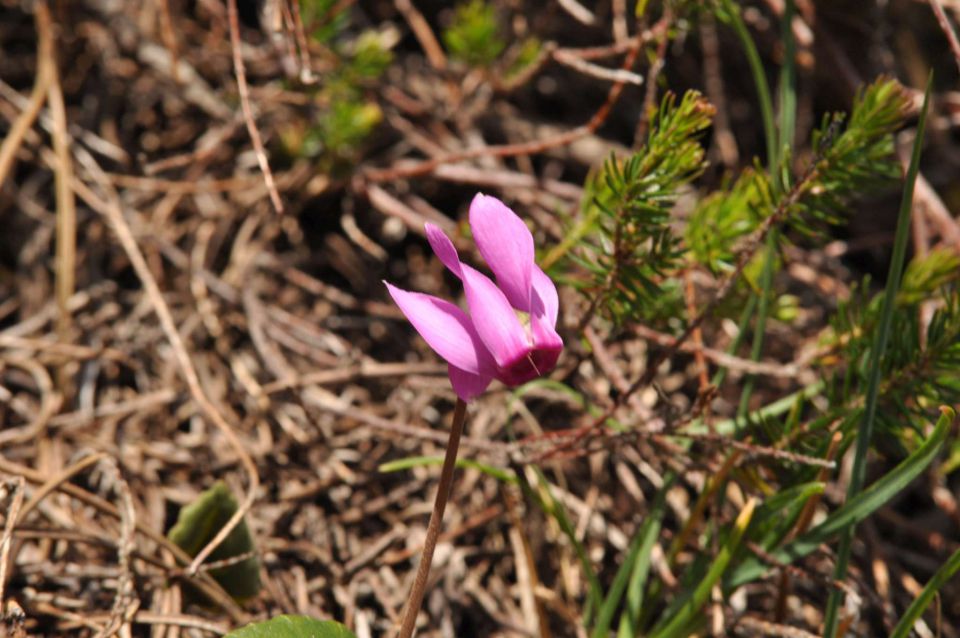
66, 255
656, 67
248, 116
12, 515
55, 482
126, 603
424, 34
605, 438
619, 22
578, 12
299, 32
526, 564
802, 524
169, 38
586, 67
947, 29
18, 130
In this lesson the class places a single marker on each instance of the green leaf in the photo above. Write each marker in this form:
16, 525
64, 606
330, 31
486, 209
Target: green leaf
420, 461
865, 432
854, 511
292, 627
200, 521
778, 514
730, 12
687, 609
944, 574
633, 574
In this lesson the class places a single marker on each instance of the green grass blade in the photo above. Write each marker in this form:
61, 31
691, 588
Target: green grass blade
464, 464
731, 13
855, 510
788, 96
632, 574
778, 513
944, 574
688, 609
759, 331
865, 433
543, 496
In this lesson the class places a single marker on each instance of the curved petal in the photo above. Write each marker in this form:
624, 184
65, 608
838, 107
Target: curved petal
443, 248
544, 301
446, 329
545, 339
467, 386
494, 319
506, 245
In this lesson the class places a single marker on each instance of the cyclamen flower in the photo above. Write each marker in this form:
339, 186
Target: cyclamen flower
510, 331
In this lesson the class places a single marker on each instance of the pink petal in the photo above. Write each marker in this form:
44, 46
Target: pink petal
536, 362
545, 338
544, 302
495, 321
507, 246
443, 248
446, 329
467, 386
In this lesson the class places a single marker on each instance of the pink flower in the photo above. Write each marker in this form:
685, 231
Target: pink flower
510, 331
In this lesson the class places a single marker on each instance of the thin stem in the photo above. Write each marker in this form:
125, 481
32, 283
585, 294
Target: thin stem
409, 620
881, 337
788, 97
759, 78
766, 284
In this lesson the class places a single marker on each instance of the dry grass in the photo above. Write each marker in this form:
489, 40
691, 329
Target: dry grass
227, 321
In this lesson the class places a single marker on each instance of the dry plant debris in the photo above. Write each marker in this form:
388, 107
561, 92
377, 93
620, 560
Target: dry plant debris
199, 201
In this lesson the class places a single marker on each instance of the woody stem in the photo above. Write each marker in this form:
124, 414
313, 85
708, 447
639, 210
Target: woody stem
409, 619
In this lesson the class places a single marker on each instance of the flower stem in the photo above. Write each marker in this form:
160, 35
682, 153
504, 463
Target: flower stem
409, 619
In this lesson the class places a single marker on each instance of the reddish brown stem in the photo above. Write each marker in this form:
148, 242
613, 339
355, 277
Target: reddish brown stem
409, 620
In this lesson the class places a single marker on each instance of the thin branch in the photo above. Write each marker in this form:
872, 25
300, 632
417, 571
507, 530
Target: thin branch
306, 69
252, 129
595, 70
578, 12
66, 250
656, 67
16, 485
947, 29
29, 112
424, 34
